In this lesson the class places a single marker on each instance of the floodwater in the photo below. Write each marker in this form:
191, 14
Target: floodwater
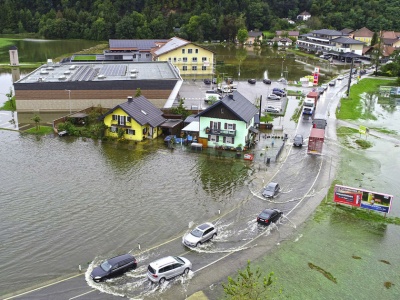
69, 201
66, 201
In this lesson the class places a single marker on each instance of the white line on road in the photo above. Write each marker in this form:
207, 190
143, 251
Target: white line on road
42, 287
82, 295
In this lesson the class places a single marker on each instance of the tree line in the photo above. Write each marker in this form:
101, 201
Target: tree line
193, 20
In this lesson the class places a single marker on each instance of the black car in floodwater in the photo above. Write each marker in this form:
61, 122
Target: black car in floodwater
113, 267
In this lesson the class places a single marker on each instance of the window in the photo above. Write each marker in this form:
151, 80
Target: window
194, 68
183, 51
185, 59
130, 131
147, 55
213, 138
190, 51
204, 68
204, 59
174, 59
184, 68
113, 129
194, 59
114, 117
169, 58
230, 126
128, 119
196, 51
229, 140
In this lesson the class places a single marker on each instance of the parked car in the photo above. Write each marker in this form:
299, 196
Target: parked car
214, 80
340, 77
267, 216
324, 86
273, 97
207, 81
320, 90
267, 81
271, 190
272, 109
252, 81
200, 234
332, 83
167, 268
298, 140
113, 267
278, 93
278, 90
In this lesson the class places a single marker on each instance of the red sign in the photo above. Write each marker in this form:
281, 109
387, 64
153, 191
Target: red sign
316, 74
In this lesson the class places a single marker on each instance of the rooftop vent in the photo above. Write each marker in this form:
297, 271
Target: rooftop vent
130, 99
133, 76
72, 67
67, 72
101, 76
44, 72
62, 77
143, 112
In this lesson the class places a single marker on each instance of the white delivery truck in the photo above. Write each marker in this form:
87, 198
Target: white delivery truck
212, 96
308, 106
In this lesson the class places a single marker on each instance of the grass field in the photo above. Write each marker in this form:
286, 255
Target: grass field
351, 108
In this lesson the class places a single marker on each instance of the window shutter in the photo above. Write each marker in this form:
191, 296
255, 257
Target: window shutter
224, 140
234, 126
114, 117
233, 140
225, 125
219, 125
217, 138
209, 137
211, 124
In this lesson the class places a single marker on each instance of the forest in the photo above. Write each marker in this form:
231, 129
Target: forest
194, 20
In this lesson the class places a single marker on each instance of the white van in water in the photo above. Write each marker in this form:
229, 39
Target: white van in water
212, 96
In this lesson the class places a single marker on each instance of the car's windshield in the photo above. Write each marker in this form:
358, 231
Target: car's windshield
265, 215
106, 266
270, 188
197, 233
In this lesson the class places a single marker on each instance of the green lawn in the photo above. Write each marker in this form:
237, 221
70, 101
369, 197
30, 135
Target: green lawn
84, 57
43, 130
351, 108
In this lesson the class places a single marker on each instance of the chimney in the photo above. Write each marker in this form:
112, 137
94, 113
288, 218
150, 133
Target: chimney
130, 99
231, 96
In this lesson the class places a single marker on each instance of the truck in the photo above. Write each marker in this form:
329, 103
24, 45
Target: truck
313, 95
212, 96
308, 106
319, 121
316, 141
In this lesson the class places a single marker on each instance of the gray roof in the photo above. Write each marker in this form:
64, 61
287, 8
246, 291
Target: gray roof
254, 33
172, 44
101, 71
346, 40
135, 44
191, 118
238, 105
142, 111
328, 32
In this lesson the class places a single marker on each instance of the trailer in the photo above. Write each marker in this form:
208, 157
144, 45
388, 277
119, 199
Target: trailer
316, 141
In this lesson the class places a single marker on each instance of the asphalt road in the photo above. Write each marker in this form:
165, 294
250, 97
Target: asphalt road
304, 180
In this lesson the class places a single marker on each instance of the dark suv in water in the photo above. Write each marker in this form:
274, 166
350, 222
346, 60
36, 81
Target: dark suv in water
113, 267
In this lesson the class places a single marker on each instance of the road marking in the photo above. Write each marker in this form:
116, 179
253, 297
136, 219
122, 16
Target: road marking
42, 287
82, 294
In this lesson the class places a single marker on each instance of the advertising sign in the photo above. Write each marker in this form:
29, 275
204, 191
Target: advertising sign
362, 129
362, 198
316, 74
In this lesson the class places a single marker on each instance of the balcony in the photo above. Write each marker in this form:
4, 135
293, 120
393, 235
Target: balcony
222, 132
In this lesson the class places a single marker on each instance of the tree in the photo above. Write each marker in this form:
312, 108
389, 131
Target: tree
180, 109
37, 120
374, 39
249, 285
242, 35
138, 92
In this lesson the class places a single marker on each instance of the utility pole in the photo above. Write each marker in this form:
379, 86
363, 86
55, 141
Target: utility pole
351, 74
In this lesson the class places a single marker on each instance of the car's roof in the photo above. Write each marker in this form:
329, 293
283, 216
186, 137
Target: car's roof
298, 136
163, 261
115, 259
269, 211
272, 184
205, 226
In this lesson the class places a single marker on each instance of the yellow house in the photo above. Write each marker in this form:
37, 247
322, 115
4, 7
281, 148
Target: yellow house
191, 60
363, 35
136, 120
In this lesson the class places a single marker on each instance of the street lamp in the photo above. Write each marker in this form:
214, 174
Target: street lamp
282, 68
69, 97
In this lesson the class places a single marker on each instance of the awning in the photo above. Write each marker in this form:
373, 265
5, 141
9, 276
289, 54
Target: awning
78, 115
192, 127
252, 129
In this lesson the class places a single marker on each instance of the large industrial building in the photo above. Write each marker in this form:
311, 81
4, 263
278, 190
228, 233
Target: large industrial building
75, 86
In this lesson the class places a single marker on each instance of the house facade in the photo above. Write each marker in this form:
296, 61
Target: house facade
325, 40
254, 37
304, 16
189, 58
363, 35
228, 122
136, 119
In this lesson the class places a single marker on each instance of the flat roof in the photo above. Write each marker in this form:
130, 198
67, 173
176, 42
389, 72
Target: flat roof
101, 71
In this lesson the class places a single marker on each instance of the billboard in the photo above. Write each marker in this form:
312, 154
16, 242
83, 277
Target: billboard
362, 198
